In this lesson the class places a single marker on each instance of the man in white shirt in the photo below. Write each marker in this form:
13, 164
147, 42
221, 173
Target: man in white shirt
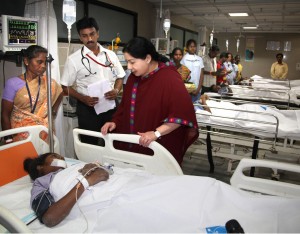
210, 66
88, 65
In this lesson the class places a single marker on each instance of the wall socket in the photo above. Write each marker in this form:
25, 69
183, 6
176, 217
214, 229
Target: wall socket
297, 66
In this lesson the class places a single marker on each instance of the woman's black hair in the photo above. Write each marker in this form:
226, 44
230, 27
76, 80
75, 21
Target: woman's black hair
174, 51
140, 47
30, 165
190, 41
33, 50
86, 22
223, 55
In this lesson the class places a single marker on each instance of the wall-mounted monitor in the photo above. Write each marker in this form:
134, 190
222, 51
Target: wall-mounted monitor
17, 33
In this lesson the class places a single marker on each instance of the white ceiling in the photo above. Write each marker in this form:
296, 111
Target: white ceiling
280, 16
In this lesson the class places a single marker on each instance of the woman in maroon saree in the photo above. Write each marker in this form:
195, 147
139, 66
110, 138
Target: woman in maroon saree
155, 103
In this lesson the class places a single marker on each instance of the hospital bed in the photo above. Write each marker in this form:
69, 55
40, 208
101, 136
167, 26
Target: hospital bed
254, 131
174, 203
285, 94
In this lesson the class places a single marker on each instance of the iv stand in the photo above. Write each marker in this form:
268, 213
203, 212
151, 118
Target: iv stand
49, 59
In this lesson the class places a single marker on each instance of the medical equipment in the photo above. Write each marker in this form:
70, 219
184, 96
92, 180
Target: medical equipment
211, 36
166, 26
17, 33
161, 45
86, 59
69, 15
227, 44
237, 45
173, 45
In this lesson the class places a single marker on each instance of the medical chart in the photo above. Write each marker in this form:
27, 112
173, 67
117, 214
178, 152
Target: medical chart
98, 89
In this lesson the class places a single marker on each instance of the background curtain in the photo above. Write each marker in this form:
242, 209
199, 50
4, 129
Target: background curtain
47, 37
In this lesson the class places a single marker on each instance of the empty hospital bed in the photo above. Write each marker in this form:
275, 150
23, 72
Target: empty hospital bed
168, 203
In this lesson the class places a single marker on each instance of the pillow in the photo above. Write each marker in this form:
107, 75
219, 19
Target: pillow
11, 161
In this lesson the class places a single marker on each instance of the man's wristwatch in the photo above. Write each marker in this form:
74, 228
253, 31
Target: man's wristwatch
157, 134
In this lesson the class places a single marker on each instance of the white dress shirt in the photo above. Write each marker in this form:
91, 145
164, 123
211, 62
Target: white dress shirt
81, 71
210, 65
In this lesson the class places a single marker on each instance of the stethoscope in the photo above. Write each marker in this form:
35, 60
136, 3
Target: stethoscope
107, 63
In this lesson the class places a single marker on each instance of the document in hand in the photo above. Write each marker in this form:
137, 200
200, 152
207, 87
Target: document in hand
98, 89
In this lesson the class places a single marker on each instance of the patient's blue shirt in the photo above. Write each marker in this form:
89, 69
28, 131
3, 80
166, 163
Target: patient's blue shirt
41, 199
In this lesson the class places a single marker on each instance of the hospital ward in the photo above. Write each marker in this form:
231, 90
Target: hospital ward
150, 116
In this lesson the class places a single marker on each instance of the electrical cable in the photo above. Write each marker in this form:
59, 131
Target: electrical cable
76, 195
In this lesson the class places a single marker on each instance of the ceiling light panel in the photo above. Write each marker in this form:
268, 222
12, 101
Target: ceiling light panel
238, 14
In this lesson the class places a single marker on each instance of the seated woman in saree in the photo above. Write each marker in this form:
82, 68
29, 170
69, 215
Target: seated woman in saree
42, 170
24, 100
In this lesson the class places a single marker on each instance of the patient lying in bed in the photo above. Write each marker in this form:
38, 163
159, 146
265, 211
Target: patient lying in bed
43, 170
249, 116
132, 200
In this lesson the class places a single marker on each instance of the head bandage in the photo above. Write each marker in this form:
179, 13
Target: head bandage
59, 163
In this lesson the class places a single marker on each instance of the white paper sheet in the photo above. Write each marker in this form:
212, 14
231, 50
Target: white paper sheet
98, 89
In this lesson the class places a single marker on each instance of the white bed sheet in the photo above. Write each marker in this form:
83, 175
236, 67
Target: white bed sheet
292, 89
135, 201
256, 94
289, 120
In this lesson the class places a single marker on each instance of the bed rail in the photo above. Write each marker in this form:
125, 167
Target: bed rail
283, 101
161, 163
11, 222
34, 132
265, 186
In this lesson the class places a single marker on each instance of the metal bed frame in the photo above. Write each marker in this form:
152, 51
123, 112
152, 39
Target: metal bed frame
223, 141
278, 102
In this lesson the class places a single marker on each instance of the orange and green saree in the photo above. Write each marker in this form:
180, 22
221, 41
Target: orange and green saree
21, 115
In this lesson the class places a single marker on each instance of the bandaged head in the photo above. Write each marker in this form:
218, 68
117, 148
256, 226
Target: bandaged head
59, 163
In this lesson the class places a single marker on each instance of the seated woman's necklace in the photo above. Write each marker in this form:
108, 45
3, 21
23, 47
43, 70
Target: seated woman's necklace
32, 108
